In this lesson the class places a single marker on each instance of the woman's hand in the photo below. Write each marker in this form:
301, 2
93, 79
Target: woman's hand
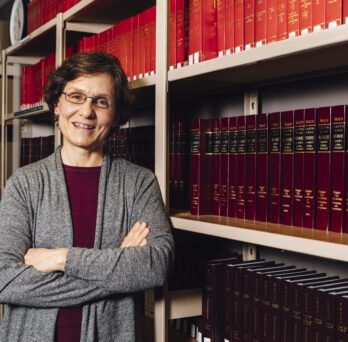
137, 236
46, 260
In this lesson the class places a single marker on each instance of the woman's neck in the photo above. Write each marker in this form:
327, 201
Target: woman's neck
80, 157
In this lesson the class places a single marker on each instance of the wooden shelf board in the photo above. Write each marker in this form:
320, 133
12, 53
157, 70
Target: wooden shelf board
87, 27
184, 303
301, 240
25, 114
143, 82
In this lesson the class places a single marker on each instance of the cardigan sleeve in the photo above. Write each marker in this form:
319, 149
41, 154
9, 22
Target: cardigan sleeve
21, 284
131, 269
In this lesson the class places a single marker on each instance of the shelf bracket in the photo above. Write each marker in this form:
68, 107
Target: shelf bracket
249, 252
251, 102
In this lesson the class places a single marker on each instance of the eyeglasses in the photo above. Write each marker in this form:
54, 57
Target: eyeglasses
104, 102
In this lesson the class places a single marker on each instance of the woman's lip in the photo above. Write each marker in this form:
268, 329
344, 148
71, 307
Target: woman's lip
81, 125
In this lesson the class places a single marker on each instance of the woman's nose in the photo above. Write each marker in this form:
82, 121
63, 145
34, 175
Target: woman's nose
87, 108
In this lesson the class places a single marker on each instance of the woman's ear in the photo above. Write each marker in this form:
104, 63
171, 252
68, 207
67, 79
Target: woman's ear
56, 109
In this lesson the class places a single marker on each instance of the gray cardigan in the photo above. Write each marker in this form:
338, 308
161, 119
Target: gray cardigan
35, 212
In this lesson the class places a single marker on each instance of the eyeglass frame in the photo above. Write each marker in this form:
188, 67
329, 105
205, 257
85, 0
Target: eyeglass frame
90, 97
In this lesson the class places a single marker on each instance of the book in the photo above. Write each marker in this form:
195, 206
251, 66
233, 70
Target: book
249, 24
135, 44
306, 16
333, 13
293, 18
238, 25
224, 183
345, 12
172, 34
341, 314
260, 22
232, 166
221, 27
216, 160
271, 20
229, 23
182, 24
282, 20
141, 42
318, 8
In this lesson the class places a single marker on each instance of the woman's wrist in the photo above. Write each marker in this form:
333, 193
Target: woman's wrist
59, 258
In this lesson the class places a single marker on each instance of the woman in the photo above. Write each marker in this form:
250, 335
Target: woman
80, 232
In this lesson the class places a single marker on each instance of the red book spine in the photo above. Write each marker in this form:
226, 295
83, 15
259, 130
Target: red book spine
249, 24
282, 16
153, 40
260, 22
147, 14
333, 13
241, 159
338, 119
238, 25
216, 160
224, 183
306, 16
232, 166
318, 15
182, 17
172, 34
293, 18
271, 20
195, 31
274, 167
209, 29
309, 177
141, 44
250, 184
221, 28
128, 48
262, 168
287, 167
345, 11
298, 167
229, 24
109, 44
135, 42
323, 168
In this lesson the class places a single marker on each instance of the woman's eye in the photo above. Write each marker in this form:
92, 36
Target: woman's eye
102, 101
76, 96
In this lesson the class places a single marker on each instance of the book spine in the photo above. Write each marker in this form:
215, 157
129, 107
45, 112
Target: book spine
229, 24
256, 318
209, 29
323, 168
216, 159
333, 13
177, 169
153, 40
238, 25
262, 168
195, 165
285, 312
142, 46
271, 20
265, 310
147, 31
338, 119
306, 327
296, 302
208, 304
172, 34
293, 18
195, 32
341, 309
221, 28
228, 293
306, 16
250, 186
282, 18
329, 318
224, 183
246, 305
171, 166
232, 166
274, 166
260, 22
237, 313
345, 11
275, 310
309, 180
249, 24
318, 15
297, 218
135, 43
241, 171
181, 32
287, 167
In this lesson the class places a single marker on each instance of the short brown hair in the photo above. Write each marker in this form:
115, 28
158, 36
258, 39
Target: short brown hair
88, 64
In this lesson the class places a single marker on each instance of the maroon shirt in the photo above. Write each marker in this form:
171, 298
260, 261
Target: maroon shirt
83, 183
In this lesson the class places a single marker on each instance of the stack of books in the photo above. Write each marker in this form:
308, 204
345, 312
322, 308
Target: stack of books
34, 149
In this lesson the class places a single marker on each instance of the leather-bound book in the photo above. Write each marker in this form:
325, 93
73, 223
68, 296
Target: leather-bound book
249, 24
182, 169
262, 168
297, 217
271, 20
287, 167
306, 16
172, 34
260, 22
282, 20
229, 40
232, 167
224, 183
216, 160
338, 136
318, 15
182, 17
221, 27
333, 13
171, 166
250, 184
323, 168
293, 18
309, 180
345, 11
274, 139
238, 25
241, 162
342, 318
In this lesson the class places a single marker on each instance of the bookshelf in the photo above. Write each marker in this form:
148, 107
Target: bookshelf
319, 53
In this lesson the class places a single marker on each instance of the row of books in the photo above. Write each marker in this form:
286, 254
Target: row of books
204, 29
132, 40
136, 144
34, 149
34, 77
264, 301
283, 167
42, 11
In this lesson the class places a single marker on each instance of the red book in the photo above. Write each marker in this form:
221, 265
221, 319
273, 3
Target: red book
209, 36
216, 160
241, 158
293, 18
182, 17
323, 168
250, 184
306, 16
195, 32
271, 20
282, 20
201, 167
238, 25
318, 7
345, 11
147, 31
142, 46
309, 181
260, 22
338, 136
299, 120
116, 40
123, 45
249, 24
229, 24
135, 43
262, 168
333, 13
224, 183
128, 42
153, 40
274, 166
287, 167
172, 34
232, 166
221, 27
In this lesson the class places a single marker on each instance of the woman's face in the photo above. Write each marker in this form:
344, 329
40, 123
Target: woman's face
86, 125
